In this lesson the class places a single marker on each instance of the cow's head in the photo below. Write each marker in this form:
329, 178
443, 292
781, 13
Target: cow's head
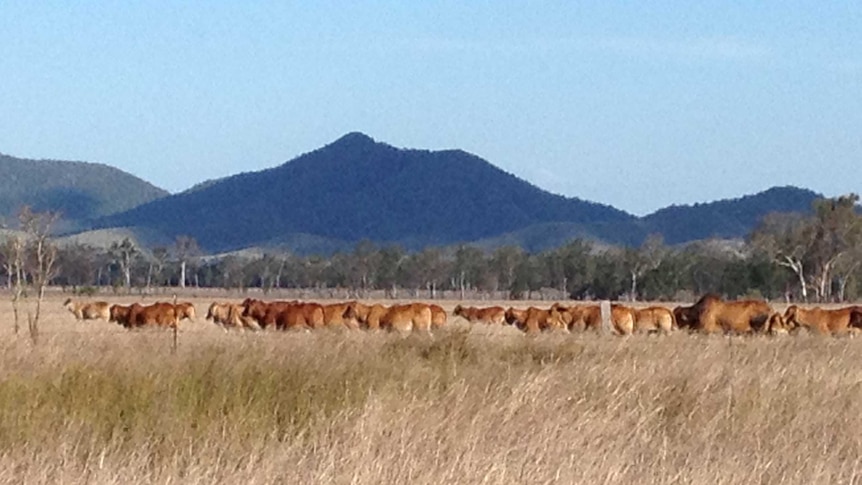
777, 325
856, 317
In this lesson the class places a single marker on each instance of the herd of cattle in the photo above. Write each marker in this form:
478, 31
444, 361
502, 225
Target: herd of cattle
710, 314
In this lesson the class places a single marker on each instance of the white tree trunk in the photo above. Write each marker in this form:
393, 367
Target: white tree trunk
795, 265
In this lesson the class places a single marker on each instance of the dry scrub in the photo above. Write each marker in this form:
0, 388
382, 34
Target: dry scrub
93, 403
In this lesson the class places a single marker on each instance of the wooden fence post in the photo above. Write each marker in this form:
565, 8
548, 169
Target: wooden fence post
606, 316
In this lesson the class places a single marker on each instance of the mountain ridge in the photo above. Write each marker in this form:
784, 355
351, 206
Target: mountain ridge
356, 188
395, 195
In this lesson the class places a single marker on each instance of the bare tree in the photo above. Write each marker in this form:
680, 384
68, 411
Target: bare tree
838, 233
644, 259
362, 265
123, 254
281, 260
43, 255
267, 270
13, 251
427, 268
468, 264
845, 268
186, 249
787, 239
504, 261
156, 265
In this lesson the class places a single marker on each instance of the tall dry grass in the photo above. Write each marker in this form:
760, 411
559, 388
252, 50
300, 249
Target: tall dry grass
94, 404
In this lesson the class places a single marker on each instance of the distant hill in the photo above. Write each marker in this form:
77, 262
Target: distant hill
356, 188
725, 219
79, 190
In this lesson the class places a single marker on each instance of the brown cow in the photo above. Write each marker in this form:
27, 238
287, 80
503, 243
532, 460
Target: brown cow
185, 310
685, 316
89, 310
715, 315
296, 316
264, 313
368, 316
534, 320
580, 317
120, 314
338, 315
825, 322
219, 313
776, 325
158, 314
654, 319
229, 315
438, 316
407, 317
622, 319
493, 315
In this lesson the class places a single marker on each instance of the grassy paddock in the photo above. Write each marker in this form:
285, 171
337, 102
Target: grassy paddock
94, 403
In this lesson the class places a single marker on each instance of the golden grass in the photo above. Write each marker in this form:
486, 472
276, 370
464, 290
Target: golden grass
93, 403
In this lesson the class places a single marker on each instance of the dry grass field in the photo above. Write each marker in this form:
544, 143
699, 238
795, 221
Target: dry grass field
94, 403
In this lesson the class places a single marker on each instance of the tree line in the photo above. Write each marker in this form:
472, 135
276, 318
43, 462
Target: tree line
796, 257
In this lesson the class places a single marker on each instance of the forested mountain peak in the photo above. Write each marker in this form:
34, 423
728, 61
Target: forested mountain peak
356, 188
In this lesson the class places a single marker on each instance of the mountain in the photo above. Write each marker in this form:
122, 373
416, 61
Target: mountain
356, 188
79, 190
730, 219
725, 219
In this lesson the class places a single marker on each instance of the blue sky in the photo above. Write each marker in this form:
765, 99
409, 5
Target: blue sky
635, 105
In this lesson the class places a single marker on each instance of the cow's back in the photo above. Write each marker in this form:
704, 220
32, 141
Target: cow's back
654, 319
438, 316
734, 316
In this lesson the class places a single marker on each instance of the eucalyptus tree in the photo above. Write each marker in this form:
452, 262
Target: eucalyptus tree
814, 246
186, 250
123, 253
504, 263
639, 261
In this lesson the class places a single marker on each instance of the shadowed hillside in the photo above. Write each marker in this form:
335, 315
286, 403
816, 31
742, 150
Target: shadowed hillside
726, 219
357, 188
79, 190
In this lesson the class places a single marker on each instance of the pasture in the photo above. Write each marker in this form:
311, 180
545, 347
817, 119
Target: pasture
95, 403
